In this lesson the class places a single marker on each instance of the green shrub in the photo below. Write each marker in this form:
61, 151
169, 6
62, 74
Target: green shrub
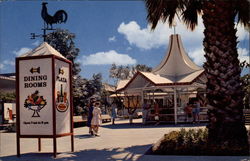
192, 142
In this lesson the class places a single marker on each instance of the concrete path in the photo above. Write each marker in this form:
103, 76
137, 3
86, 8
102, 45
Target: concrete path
117, 143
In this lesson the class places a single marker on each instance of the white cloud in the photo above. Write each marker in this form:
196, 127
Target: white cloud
36, 43
145, 38
8, 62
129, 48
197, 55
110, 57
22, 51
243, 54
1, 66
242, 33
112, 39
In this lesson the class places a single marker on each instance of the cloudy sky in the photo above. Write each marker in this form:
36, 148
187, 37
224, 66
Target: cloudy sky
106, 32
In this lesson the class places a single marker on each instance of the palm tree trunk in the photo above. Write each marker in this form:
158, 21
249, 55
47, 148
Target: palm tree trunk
227, 132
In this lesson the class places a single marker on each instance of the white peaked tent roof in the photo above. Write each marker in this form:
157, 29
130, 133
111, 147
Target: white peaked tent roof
175, 68
176, 62
43, 49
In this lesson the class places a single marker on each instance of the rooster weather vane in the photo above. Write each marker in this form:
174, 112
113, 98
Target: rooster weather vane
59, 17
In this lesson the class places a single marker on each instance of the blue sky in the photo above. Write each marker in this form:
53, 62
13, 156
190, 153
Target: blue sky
106, 32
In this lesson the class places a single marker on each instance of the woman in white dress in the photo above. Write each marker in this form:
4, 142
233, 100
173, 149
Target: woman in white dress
97, 119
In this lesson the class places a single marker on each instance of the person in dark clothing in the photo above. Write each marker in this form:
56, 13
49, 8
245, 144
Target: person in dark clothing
188, 111
157, 112
113, 111
90, 115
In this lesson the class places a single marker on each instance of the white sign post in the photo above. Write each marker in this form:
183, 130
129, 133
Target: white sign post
44, 101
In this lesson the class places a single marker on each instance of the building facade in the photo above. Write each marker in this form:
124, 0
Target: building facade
176, 81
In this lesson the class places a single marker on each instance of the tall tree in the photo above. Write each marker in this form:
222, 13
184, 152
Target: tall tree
127, 72
224, 91
84, 89
63, 42
94, 85
119, 72
8, 97
141, 68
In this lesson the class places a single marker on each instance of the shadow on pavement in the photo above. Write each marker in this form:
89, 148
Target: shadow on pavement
125, 154
85, 136
140, 125
191, 158
133, 153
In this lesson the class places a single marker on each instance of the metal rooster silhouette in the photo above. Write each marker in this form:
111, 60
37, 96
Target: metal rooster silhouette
59, 17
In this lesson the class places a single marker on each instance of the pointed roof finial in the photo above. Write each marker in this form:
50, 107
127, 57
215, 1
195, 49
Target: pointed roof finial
174, 25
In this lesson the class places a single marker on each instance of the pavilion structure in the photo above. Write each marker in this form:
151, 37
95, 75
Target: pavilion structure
176, 81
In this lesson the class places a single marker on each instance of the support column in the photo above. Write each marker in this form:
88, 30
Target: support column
2, 114
175, 106
72, 142
17, 110
153, 95
39, 144
142, 107
142, 97
18, 145
54, 108
54, 147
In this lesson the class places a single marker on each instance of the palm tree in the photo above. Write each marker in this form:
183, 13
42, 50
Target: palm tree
224, 92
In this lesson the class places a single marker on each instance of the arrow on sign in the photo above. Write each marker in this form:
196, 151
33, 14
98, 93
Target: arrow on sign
61, 71
35, 70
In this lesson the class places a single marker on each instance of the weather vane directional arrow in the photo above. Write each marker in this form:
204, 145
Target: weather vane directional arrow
59, 17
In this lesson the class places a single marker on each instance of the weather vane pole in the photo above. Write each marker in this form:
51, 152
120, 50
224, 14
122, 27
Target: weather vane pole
59, 17
174, 25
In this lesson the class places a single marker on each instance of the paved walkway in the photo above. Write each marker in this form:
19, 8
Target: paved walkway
116, 143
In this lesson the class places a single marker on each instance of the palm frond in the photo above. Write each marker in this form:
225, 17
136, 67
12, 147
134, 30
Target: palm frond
170, 10
166, 10
243, 11
190, 13
155, 8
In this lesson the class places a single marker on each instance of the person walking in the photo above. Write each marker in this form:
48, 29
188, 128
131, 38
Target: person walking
188, 112
145, 108
114, 111
157, 112
90, 115
197, 110
193, 112
96, 120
